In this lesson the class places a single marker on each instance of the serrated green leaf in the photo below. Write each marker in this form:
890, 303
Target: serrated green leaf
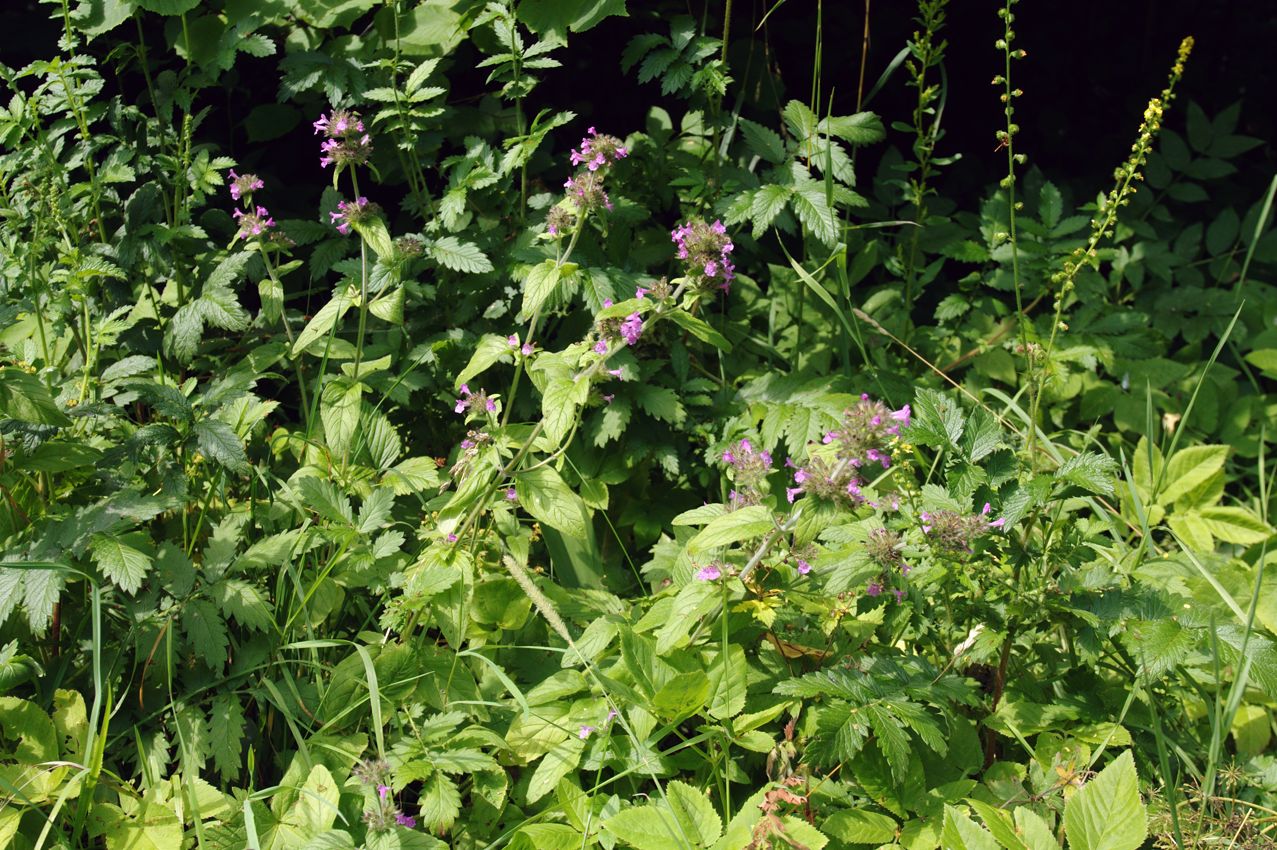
1189, 468
219, 442
124, 565
491, 349
1107, 814
452, 253
857, 826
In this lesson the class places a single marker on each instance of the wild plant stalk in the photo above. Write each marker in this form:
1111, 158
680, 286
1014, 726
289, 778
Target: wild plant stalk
927, 53
1102, 226
1006, 140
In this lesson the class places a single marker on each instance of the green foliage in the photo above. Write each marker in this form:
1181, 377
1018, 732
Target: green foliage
510, 521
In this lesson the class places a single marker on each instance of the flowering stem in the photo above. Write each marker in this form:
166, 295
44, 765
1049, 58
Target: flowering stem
288, 331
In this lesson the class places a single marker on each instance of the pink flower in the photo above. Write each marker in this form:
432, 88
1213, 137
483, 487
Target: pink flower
803, 567
585, 732
600, 347
709, 573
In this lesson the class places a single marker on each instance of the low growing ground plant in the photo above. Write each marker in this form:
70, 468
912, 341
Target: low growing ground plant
720, 482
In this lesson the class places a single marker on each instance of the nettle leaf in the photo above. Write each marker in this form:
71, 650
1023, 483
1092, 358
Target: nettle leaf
862, 128
937, 421
245, 603
226, 727
121, 562
452, 253
1091, 471
763, 141
219, 442
323, 321
323, 497
811, 205
206, 631
1107, 814
660, 402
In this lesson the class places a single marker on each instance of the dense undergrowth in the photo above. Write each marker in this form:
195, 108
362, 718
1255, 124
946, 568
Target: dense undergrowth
692, 486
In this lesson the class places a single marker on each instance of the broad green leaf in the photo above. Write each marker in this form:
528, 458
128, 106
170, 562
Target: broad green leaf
560, 16
683, 695
1235, 525
1189, 468
339, 410
561, 760
205, 629
559, 404
1265, 359
1091, 471
1106, 814
728, 681
1035, 831
744, 524
695, 815
323, 497
152, 826
699, 329
227, 733
316, 806
1251, 730
999, 823
858, 826
692, 602
538, 287
1193, 530
168, 7
547, 836
374, 232
324, 320
544, 495
490, 349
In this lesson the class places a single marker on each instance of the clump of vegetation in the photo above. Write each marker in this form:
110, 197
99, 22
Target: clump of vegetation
689, 486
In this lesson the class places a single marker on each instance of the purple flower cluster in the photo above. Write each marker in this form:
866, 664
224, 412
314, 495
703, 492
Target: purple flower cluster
250, 220
954, 533
595, 157
346, 142
598, 151
863, 439
474, 401
705, 250
244, 185
382, 814
253, 223
708, 573
749, 468
632, 328
352, 212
